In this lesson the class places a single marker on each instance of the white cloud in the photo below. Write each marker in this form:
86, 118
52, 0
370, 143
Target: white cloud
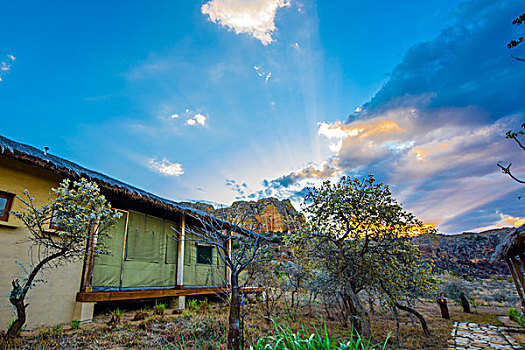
255, 17
262, 73
5, 66
191, 118
199, 118
165, 167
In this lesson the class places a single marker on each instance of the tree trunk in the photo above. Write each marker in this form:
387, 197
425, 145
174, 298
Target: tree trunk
357, 313
18, 295
17, 299
417, 314
396, 317
464, 303
234, 329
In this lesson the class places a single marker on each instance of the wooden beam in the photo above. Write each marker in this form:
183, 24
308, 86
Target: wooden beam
155, 293
518, 271
514, 278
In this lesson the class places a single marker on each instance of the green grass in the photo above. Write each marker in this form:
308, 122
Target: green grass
286, 339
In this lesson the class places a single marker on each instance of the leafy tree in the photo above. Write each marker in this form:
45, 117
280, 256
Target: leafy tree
81, 213
515, 42
357, 238
240, 245
517, 137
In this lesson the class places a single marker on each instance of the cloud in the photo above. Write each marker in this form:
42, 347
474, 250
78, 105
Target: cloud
436, 129
5, 65
191, 118
254, 17
165, 167
261, 73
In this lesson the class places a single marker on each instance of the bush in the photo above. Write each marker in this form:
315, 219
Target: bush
514, 315
159, 309
140, 315
74, 324
192, 304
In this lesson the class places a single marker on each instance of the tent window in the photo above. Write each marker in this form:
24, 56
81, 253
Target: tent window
204, 254
144, 238
6, 200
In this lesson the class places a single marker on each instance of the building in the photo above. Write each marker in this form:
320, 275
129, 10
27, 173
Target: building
148, 259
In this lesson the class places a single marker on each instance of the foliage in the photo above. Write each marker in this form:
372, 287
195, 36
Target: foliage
515, 316
116, 316
515, 42
140, 315
192, 304
74, 324
286, 339
239, 244
159, 309
358, 238
81, 213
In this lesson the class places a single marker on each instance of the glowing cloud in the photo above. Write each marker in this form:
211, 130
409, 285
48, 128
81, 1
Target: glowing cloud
255, 17
165, 167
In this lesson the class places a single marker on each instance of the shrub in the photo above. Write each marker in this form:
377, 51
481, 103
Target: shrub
159, 309
74, 324
514, 315
192, 304
140, 315
116, 316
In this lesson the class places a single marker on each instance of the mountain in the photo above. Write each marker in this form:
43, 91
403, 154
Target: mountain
466, 254
272, 214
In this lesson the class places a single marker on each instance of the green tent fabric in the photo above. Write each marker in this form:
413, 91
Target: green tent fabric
106, 270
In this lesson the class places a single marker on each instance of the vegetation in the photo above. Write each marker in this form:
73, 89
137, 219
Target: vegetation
357, 239
81, 213
286, 339
515, 42
74, 324
239, 244
515, 316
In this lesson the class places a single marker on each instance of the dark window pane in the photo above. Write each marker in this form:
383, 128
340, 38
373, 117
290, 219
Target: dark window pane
3, 203
204, 255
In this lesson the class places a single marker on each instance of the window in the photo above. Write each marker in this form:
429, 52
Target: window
54, 225
6, 200
204, 254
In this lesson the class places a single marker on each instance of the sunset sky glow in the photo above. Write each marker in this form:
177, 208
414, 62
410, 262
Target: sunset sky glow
222, 100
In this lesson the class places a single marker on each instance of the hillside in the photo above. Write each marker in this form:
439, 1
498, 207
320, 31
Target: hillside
465, 254
274, 215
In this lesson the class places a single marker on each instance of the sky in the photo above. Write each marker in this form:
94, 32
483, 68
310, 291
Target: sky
224, 100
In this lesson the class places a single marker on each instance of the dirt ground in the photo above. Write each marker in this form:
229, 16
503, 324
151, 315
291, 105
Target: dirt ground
204, 325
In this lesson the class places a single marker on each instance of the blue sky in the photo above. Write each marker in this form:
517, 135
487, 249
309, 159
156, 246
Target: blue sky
240, 99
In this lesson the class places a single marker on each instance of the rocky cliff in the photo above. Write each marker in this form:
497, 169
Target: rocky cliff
272, 214
466, 254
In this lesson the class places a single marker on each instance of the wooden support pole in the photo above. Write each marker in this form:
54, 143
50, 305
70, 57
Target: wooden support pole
513, 273
90, 260
180, 252
125, 238
228, 270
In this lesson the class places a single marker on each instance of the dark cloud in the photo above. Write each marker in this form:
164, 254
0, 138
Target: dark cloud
436, 129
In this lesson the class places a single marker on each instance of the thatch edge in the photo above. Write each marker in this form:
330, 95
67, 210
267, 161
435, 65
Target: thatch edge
511, 245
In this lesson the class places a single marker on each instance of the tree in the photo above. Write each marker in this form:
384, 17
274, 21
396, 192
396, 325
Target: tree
81, 213
515, 136
240, 244
515, 42
355, 238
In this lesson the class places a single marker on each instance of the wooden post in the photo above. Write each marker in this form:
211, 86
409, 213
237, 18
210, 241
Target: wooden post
123, 250
515, 279
90, 260
180, 253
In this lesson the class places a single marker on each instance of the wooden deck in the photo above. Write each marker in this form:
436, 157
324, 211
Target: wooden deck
90, 297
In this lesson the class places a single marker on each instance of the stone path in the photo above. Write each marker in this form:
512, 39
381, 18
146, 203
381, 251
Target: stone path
466, 336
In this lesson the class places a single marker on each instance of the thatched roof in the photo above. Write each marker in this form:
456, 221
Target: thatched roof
65, 168
511, 245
